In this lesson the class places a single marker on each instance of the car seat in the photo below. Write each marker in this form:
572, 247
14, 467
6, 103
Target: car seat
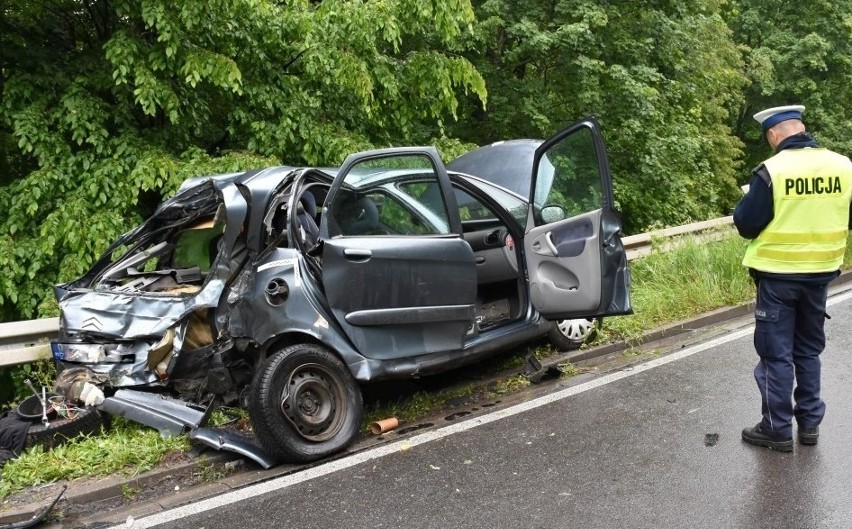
306, 214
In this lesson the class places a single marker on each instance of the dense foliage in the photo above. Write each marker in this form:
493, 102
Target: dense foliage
795, 53
106, 105
661, 77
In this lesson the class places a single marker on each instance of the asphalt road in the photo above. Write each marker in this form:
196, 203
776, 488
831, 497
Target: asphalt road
656, 445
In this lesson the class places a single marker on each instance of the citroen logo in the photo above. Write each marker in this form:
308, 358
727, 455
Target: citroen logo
92, 323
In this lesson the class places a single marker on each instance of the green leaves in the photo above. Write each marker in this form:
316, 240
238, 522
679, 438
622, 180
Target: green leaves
795, 55
219, 70
103, 112
661, 78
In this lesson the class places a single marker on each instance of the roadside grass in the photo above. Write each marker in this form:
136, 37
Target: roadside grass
126, 448
411, 408
667, 286
415, 406
207, 472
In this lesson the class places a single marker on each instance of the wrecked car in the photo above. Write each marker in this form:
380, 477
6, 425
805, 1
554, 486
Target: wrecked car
285, 288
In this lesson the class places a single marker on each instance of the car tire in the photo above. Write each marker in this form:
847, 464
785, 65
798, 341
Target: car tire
304, 404
567, 335
87, 421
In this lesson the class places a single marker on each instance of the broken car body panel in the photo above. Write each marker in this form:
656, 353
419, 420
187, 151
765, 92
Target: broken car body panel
233, 441
174, 417
168, 416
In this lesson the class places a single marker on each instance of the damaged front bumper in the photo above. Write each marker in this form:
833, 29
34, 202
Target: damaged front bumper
123, 364
133, 339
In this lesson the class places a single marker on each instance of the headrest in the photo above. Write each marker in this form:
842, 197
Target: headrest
309, 203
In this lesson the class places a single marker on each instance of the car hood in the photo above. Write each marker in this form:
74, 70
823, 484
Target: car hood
131, 316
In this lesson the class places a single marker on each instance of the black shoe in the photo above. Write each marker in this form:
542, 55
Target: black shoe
759, 437
809, 436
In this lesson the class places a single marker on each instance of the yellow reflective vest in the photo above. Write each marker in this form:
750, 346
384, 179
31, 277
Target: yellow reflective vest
811, 192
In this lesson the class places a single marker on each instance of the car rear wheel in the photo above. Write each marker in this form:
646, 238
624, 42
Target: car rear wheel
305, 404
567, 335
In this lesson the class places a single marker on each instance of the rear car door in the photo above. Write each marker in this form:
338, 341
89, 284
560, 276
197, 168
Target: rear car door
398, 277
576, 263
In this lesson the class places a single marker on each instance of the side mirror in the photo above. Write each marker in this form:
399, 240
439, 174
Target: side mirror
552, 214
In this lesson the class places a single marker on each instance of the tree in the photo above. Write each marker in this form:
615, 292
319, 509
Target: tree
660, 76
795, 54
107, 105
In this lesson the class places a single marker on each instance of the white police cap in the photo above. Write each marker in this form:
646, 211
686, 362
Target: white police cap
772, 116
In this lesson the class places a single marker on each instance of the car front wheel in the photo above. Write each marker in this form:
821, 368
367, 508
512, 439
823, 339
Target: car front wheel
305, 404
567, 335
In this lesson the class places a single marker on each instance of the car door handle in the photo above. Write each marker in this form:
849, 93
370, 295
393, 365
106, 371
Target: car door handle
549, 240
357, 254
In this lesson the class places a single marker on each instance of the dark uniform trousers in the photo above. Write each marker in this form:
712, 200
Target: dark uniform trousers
789, 337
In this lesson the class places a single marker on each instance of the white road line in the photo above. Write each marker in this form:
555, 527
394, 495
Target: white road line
324, 469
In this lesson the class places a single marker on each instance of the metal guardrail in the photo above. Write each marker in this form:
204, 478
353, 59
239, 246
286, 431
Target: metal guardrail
641, 244
22, 342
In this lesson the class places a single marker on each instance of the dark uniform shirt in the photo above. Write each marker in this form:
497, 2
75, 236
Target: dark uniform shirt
757, 209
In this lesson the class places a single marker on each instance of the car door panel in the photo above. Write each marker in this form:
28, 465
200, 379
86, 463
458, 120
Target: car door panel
570, 277
401, 296
572, 239
576, 266
410, 288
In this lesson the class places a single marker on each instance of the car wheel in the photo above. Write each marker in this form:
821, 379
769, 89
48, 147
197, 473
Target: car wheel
304, 404
567, 335
86, 421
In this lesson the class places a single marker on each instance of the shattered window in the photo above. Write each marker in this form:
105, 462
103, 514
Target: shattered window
197, 246
173, 250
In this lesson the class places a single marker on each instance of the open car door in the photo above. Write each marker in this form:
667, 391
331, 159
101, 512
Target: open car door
398, 277
576, 263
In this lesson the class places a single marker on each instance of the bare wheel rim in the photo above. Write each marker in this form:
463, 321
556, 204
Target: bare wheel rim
576, 330
312, 402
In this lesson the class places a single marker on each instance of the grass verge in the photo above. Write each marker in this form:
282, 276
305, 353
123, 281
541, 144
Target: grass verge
693, 278
126, 448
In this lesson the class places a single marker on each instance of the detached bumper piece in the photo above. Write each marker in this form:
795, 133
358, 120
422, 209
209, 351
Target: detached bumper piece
169, 416
233, 441
174, 417
535, 371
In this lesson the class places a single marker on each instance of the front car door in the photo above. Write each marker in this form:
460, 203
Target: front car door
398, 277
575, 260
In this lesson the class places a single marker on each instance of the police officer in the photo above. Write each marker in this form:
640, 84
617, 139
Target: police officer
797, 215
